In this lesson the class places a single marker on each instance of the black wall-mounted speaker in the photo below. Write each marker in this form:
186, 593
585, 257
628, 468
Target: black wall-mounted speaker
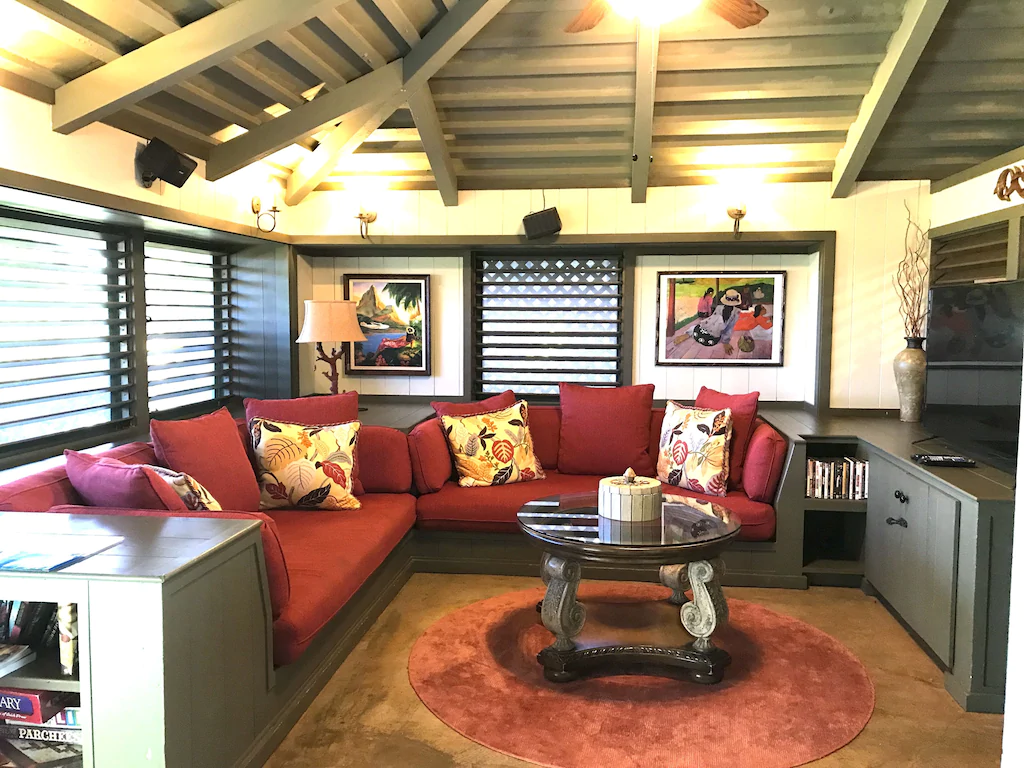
542, 224
159, 160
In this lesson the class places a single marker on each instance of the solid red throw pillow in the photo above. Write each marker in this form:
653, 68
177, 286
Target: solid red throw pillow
210, 449
319, 411
605, 431
744, 413
326, 409
496, 403
103, 482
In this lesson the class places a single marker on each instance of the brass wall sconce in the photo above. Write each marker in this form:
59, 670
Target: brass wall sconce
737, 214
264, 216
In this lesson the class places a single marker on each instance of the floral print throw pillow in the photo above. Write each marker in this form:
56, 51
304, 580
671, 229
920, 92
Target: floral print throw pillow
191, 492
493, 448
694, 452
304, 467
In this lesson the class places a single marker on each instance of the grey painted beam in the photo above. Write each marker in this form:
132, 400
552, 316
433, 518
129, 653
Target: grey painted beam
70, 33
1012, 157
643, 114
309, 118
398, 19
908, 43
343, 140
424, 113
175, 57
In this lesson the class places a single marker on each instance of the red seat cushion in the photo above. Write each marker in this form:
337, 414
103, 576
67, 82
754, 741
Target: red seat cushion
497, 403
494, 509
744, 413
324, 578
605, 431
210, 449
314, 411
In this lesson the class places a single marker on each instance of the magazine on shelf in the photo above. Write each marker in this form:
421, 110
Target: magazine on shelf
43, 552
14, 657
41, 754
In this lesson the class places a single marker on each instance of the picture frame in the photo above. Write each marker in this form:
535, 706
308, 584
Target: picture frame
394, 315
718, 317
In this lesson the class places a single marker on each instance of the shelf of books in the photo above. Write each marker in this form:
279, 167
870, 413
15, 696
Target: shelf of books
42, 722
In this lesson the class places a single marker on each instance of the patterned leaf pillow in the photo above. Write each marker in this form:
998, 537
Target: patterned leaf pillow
192, 493
694, 451
304, 467
493, 448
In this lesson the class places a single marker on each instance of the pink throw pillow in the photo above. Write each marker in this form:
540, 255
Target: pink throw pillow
744, 414
605, 430
103, 482
210, 449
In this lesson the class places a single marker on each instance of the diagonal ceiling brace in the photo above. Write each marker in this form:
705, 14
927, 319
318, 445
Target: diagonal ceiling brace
647, 37
424, 113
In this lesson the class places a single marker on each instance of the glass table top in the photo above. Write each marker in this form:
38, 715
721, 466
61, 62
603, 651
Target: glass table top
573, 518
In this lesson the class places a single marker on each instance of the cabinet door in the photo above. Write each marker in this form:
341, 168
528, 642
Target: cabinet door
882, 540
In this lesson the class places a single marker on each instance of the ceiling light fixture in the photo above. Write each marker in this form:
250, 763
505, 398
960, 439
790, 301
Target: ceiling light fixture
654, 12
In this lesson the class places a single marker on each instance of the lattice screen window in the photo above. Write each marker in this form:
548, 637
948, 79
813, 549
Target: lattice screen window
539, 321
188, 326
65, 332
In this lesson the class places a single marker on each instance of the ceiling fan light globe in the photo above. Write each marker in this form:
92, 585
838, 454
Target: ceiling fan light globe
654, 12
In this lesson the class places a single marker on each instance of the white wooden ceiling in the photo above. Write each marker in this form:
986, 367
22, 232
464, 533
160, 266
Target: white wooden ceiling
512, 101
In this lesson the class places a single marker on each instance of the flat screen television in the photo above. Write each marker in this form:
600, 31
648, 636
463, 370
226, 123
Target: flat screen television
975, 351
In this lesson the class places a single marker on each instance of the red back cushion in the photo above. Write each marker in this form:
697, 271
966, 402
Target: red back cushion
499, 402
766, 456
744, 412
210, 449
605, 431
111, 483
545, 427
318, 411
431, 458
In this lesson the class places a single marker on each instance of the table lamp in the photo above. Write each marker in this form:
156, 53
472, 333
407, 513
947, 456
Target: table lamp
330, 321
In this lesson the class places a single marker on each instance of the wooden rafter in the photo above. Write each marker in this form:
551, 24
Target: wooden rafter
908, 43
389, 85
424, 113
175, 57
647, 37
398, 19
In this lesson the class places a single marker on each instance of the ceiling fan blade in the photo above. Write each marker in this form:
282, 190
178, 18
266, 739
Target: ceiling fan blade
589, 17
740, 13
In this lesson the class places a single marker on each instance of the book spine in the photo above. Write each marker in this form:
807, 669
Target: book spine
41, 733
5, 613
809, 488
50, 634
867, 478
31, 706
69, 717
18, 611
33, 632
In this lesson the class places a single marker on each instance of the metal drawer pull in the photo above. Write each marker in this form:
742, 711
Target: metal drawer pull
901, 497
901, 522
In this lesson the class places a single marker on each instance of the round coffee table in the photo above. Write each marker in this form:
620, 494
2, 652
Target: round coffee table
685, 541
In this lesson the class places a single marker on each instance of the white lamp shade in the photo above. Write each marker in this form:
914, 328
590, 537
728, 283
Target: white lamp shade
330, 321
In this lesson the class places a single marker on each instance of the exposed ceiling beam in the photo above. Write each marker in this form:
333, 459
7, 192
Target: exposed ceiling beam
388, 85
424, 113
908, 43
1013, 157
343, 140
643, 116
398, 19
71, 34
309, 118
141, 20
175, 57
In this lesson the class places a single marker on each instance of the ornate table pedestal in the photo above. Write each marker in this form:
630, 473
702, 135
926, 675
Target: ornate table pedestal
565, 617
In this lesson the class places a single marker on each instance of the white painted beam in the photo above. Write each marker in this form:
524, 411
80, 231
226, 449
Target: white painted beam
424, 113
71, 34
388, 85
647, 37
908, 43
342, 141
175, 57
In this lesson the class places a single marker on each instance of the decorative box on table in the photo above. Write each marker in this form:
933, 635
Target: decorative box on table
629, 498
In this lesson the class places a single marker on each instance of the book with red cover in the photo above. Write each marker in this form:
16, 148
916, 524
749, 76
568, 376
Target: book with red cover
36, 707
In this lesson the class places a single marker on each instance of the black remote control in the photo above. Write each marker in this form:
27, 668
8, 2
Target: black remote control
939, 460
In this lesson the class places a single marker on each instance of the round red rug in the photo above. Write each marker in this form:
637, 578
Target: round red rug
791, 695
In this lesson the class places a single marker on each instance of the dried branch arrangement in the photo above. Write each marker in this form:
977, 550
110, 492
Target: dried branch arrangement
911, 278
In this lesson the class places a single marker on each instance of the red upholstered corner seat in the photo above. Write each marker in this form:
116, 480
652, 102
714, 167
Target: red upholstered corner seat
330, 555
444, 505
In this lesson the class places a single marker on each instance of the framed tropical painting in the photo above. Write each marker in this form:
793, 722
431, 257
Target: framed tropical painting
720, 318
394, 315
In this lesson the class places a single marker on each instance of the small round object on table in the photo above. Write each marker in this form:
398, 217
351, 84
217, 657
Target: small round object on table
629, 498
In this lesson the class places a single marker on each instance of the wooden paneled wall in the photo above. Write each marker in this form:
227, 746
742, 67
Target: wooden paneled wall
870, 227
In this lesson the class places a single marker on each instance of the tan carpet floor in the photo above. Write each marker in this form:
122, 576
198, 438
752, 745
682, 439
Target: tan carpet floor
368, 715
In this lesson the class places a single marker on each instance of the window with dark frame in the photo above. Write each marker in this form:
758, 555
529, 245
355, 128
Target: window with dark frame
66, 359
188, 326
541, 320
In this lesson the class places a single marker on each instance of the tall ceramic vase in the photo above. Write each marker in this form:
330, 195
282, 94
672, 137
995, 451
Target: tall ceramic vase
909, 366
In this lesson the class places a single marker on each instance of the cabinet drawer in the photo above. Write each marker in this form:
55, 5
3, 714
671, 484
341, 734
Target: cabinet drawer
912, 551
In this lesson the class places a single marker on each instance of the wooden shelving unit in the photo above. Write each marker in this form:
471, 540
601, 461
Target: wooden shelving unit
826, 567
836, 505
43, 674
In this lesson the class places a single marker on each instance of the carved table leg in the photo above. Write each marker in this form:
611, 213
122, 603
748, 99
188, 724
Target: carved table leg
704, 613
561, 614
674, 577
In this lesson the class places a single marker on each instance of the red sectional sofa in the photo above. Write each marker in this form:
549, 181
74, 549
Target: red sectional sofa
444, 505
316, 560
